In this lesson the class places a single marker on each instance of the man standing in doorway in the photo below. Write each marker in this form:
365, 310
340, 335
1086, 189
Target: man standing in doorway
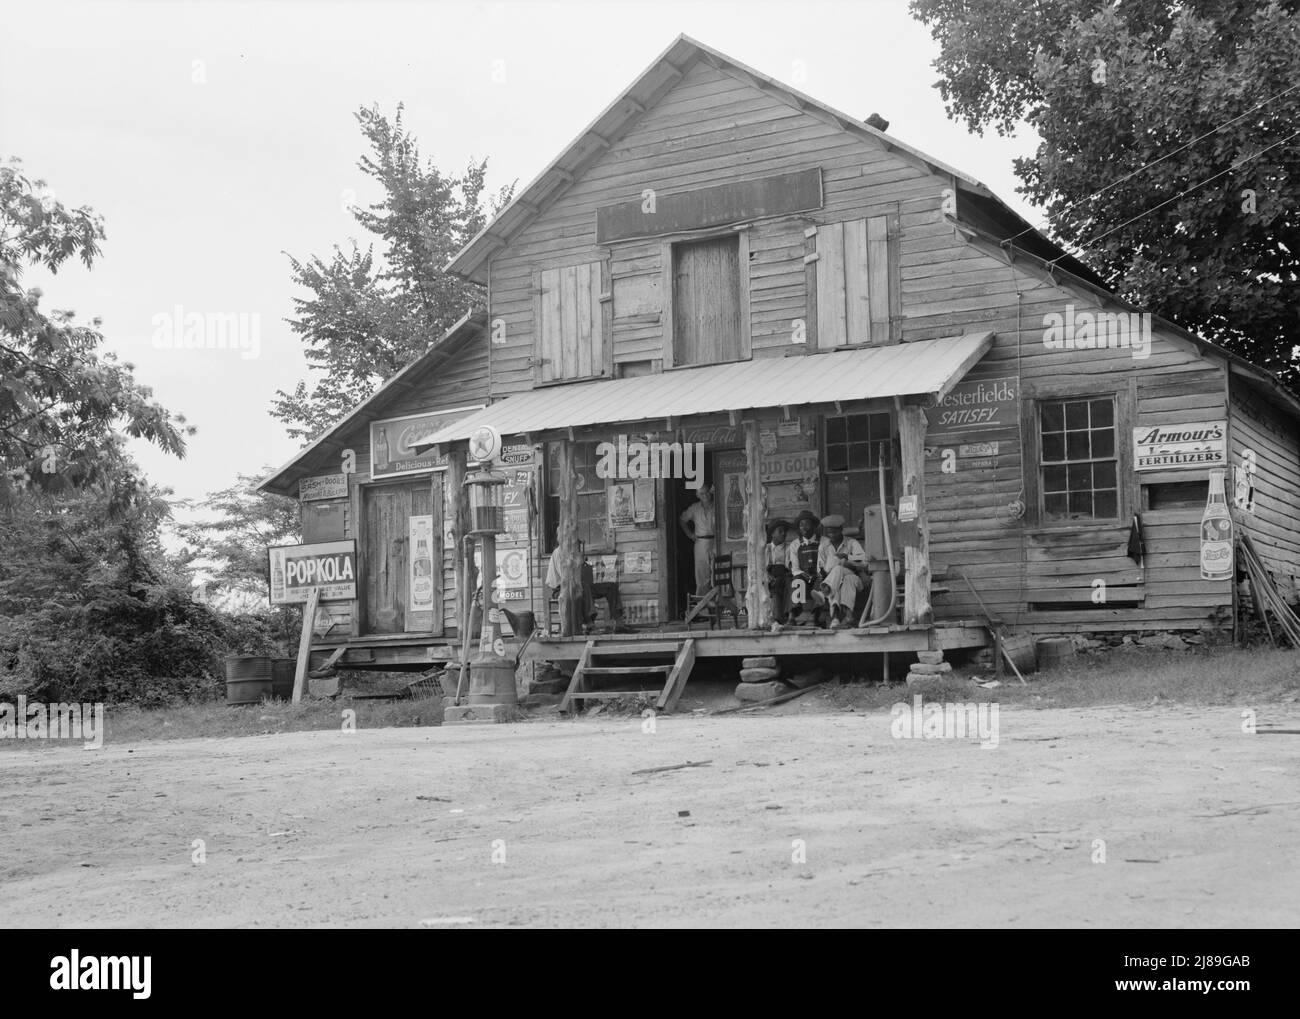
697, 525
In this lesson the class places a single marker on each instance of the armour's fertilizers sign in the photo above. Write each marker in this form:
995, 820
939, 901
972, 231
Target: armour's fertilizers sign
328, 565
1171, 447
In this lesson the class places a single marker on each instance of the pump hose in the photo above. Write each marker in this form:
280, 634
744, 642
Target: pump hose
889, 548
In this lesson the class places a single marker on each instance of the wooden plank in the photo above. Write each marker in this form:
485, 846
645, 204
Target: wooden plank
667, 271
569, 565
916, 540
436, 505
857, 296
895, 311
589, 311
830, 286
878, 277
575, 681
743, 309
758, 601
678, 677
304, 644
719, 205
569, 366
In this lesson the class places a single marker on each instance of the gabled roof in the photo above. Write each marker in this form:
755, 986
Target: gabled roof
283, 480
649, 87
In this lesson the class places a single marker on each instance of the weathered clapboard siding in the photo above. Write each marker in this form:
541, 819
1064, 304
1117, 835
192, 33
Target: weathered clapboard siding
711, 128
1274, 526
459, 382
716, 126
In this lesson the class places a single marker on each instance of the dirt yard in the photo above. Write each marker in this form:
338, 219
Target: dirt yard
547, 823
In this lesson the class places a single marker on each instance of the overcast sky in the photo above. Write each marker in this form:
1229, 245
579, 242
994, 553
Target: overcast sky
214, 136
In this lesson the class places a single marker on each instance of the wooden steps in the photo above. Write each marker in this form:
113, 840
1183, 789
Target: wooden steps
669, 666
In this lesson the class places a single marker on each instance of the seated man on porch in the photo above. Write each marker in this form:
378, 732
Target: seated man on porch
776, 558
841, 563
802, 561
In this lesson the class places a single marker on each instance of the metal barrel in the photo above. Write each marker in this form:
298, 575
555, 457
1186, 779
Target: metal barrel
492, 681
282, 672
1054, 650
248, 678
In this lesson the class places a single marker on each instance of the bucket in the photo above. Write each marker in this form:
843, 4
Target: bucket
492, 681
1019, 649
1054, 650
282, 672
248, 679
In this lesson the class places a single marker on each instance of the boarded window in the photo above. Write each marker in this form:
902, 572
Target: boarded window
856, 288
1078, 465
707, 311
570, 332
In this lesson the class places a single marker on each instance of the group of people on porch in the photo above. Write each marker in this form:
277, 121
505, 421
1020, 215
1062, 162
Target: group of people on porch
811, 577
813, 570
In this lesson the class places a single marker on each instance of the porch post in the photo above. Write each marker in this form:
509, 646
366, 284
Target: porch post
758, 602
914, 532
459, 510
568, 565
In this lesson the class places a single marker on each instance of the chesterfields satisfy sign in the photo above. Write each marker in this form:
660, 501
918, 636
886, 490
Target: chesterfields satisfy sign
1171, 447
328, 565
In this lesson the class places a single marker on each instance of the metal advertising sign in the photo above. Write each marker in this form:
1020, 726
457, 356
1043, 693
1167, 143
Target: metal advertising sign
328, 565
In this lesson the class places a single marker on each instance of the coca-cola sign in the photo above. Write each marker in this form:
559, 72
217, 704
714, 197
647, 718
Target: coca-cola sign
1174, 447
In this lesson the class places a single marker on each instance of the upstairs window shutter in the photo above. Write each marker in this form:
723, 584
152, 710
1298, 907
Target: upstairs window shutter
570, 339
857, 292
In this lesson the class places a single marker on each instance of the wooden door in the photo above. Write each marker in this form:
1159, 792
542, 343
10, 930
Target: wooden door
402, 596
707, 302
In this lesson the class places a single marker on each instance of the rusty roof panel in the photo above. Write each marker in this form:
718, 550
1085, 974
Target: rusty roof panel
924, 367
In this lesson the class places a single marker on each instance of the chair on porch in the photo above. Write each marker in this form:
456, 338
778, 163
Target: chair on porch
718, 598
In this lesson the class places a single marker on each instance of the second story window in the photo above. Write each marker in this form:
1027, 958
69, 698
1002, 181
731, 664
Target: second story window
568, 324
708, 301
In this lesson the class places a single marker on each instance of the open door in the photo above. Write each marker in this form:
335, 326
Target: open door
403, 566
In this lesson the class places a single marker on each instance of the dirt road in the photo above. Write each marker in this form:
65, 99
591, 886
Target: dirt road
546, 824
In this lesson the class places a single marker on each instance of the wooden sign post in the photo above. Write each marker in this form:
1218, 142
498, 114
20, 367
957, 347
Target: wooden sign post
304, 644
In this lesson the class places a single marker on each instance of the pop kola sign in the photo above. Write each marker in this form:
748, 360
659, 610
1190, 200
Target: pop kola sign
1171, 447
328, 565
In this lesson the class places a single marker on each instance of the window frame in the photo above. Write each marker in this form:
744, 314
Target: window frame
1032, 405
891, 467
668, 267
550, 519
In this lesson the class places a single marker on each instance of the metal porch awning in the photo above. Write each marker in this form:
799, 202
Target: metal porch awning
921, 368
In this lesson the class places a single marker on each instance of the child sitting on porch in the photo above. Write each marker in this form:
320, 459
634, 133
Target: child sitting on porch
776, 559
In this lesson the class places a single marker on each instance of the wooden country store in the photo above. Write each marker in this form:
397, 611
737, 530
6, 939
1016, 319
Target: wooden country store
721, 263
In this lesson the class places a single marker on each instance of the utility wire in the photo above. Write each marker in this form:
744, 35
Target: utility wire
1236, 165
1147, 166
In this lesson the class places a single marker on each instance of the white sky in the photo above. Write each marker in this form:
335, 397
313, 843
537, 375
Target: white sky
204, 185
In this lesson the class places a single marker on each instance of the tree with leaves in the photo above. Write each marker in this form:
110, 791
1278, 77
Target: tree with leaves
63, 404
229, 546
1169, 153
365, 317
